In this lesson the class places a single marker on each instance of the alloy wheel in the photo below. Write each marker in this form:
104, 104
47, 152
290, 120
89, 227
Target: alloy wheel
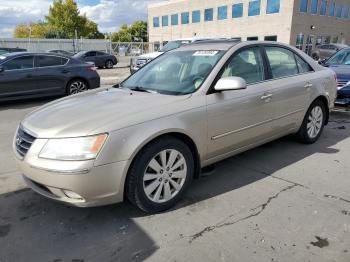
315, 121
77, 87
165, 176
109, 64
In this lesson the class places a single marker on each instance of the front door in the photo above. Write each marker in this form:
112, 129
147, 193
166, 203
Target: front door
18, 77
241, 118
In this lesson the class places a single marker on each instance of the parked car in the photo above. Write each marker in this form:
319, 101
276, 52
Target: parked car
28, 75
325, 51
138, 62
5, 50
340, 64
61, 52
185, 110
100, 59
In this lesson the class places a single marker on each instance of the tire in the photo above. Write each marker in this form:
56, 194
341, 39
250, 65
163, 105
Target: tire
153, 190
109, 64
315, 57
100, 67
76, 86
313, 122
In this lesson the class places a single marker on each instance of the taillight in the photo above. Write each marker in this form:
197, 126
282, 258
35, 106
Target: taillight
91, 69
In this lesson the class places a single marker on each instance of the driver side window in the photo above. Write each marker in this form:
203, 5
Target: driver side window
247, 64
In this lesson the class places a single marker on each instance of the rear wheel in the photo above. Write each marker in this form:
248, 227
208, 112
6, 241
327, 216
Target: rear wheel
109, 64
160, 174
313, 123
76, 86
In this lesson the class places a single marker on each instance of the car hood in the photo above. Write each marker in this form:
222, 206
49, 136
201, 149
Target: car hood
342, 71
97, 111
150, 55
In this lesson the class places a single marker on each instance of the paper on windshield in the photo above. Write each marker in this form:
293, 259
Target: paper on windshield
205, 53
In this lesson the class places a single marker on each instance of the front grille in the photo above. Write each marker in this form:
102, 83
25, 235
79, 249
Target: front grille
341, 83
23, 141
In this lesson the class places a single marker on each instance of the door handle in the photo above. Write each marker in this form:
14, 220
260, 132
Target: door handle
65, 71
308, 85
266, 96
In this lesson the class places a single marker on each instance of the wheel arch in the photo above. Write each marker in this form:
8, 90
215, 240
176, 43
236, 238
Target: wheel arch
325, 101
77, 78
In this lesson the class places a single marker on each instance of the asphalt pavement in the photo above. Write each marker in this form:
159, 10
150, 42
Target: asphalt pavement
283, 201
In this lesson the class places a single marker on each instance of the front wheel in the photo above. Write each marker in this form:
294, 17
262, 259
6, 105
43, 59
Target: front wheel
313, 123
109, 64
160, 174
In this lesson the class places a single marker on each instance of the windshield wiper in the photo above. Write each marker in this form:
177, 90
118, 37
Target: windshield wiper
141, 89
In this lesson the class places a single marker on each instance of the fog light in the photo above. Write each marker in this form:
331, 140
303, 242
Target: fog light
72, 195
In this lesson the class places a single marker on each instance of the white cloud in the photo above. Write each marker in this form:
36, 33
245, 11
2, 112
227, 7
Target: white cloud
108, 14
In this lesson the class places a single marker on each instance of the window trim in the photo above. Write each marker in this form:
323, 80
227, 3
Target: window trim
37, 57
7, 70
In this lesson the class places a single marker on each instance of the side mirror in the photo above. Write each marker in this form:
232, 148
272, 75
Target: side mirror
230, 83
2, 69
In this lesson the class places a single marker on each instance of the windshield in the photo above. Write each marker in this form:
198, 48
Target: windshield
173, 45
175, 73
340, 58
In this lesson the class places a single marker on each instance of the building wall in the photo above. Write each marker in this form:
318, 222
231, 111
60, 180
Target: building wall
247, 26
338, 29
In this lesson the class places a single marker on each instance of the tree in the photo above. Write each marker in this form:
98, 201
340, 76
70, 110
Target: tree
64, 19
34, 30
137, 32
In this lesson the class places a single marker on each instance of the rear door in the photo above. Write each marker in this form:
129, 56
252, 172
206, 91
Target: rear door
17, 79
91, 57
291, 78
51, 73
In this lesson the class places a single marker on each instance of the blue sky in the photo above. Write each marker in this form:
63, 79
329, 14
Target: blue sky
109, 14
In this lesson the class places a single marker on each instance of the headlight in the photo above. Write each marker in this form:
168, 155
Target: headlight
80, 148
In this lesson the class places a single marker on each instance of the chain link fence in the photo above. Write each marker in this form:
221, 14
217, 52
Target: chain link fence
76, 45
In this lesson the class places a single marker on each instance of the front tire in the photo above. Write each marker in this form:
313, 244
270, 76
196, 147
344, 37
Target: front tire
160, 175
109, 64
313, 123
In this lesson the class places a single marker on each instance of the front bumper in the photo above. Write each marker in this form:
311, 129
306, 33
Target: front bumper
343, 97
94, 186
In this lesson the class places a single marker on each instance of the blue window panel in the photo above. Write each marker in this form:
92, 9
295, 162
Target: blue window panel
196, 16
155, 21
314, 6
345, 12
331, 8
304, 5
174, 19
208, 14
185, 18
254, 8
222, 12
237, 10
273, 6
339, 11
165, 20
323, 7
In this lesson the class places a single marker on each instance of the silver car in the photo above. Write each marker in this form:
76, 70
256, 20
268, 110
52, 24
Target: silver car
147, 139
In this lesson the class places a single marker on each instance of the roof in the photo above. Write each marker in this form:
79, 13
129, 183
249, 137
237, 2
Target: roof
14, 54
215, 44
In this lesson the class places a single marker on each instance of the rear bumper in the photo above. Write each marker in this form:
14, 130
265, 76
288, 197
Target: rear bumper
94, 82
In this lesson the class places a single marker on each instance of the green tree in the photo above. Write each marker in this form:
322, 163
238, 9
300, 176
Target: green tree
138, 31
34, 30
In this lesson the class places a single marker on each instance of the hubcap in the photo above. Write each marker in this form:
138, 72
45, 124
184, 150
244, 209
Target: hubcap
315, 121
77, 87
165, 175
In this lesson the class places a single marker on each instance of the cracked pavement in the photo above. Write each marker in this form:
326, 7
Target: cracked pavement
283, 201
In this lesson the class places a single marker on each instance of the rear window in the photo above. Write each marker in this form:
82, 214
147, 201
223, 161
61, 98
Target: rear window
45, 61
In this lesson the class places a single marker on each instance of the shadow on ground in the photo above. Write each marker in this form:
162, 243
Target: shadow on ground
43, 230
